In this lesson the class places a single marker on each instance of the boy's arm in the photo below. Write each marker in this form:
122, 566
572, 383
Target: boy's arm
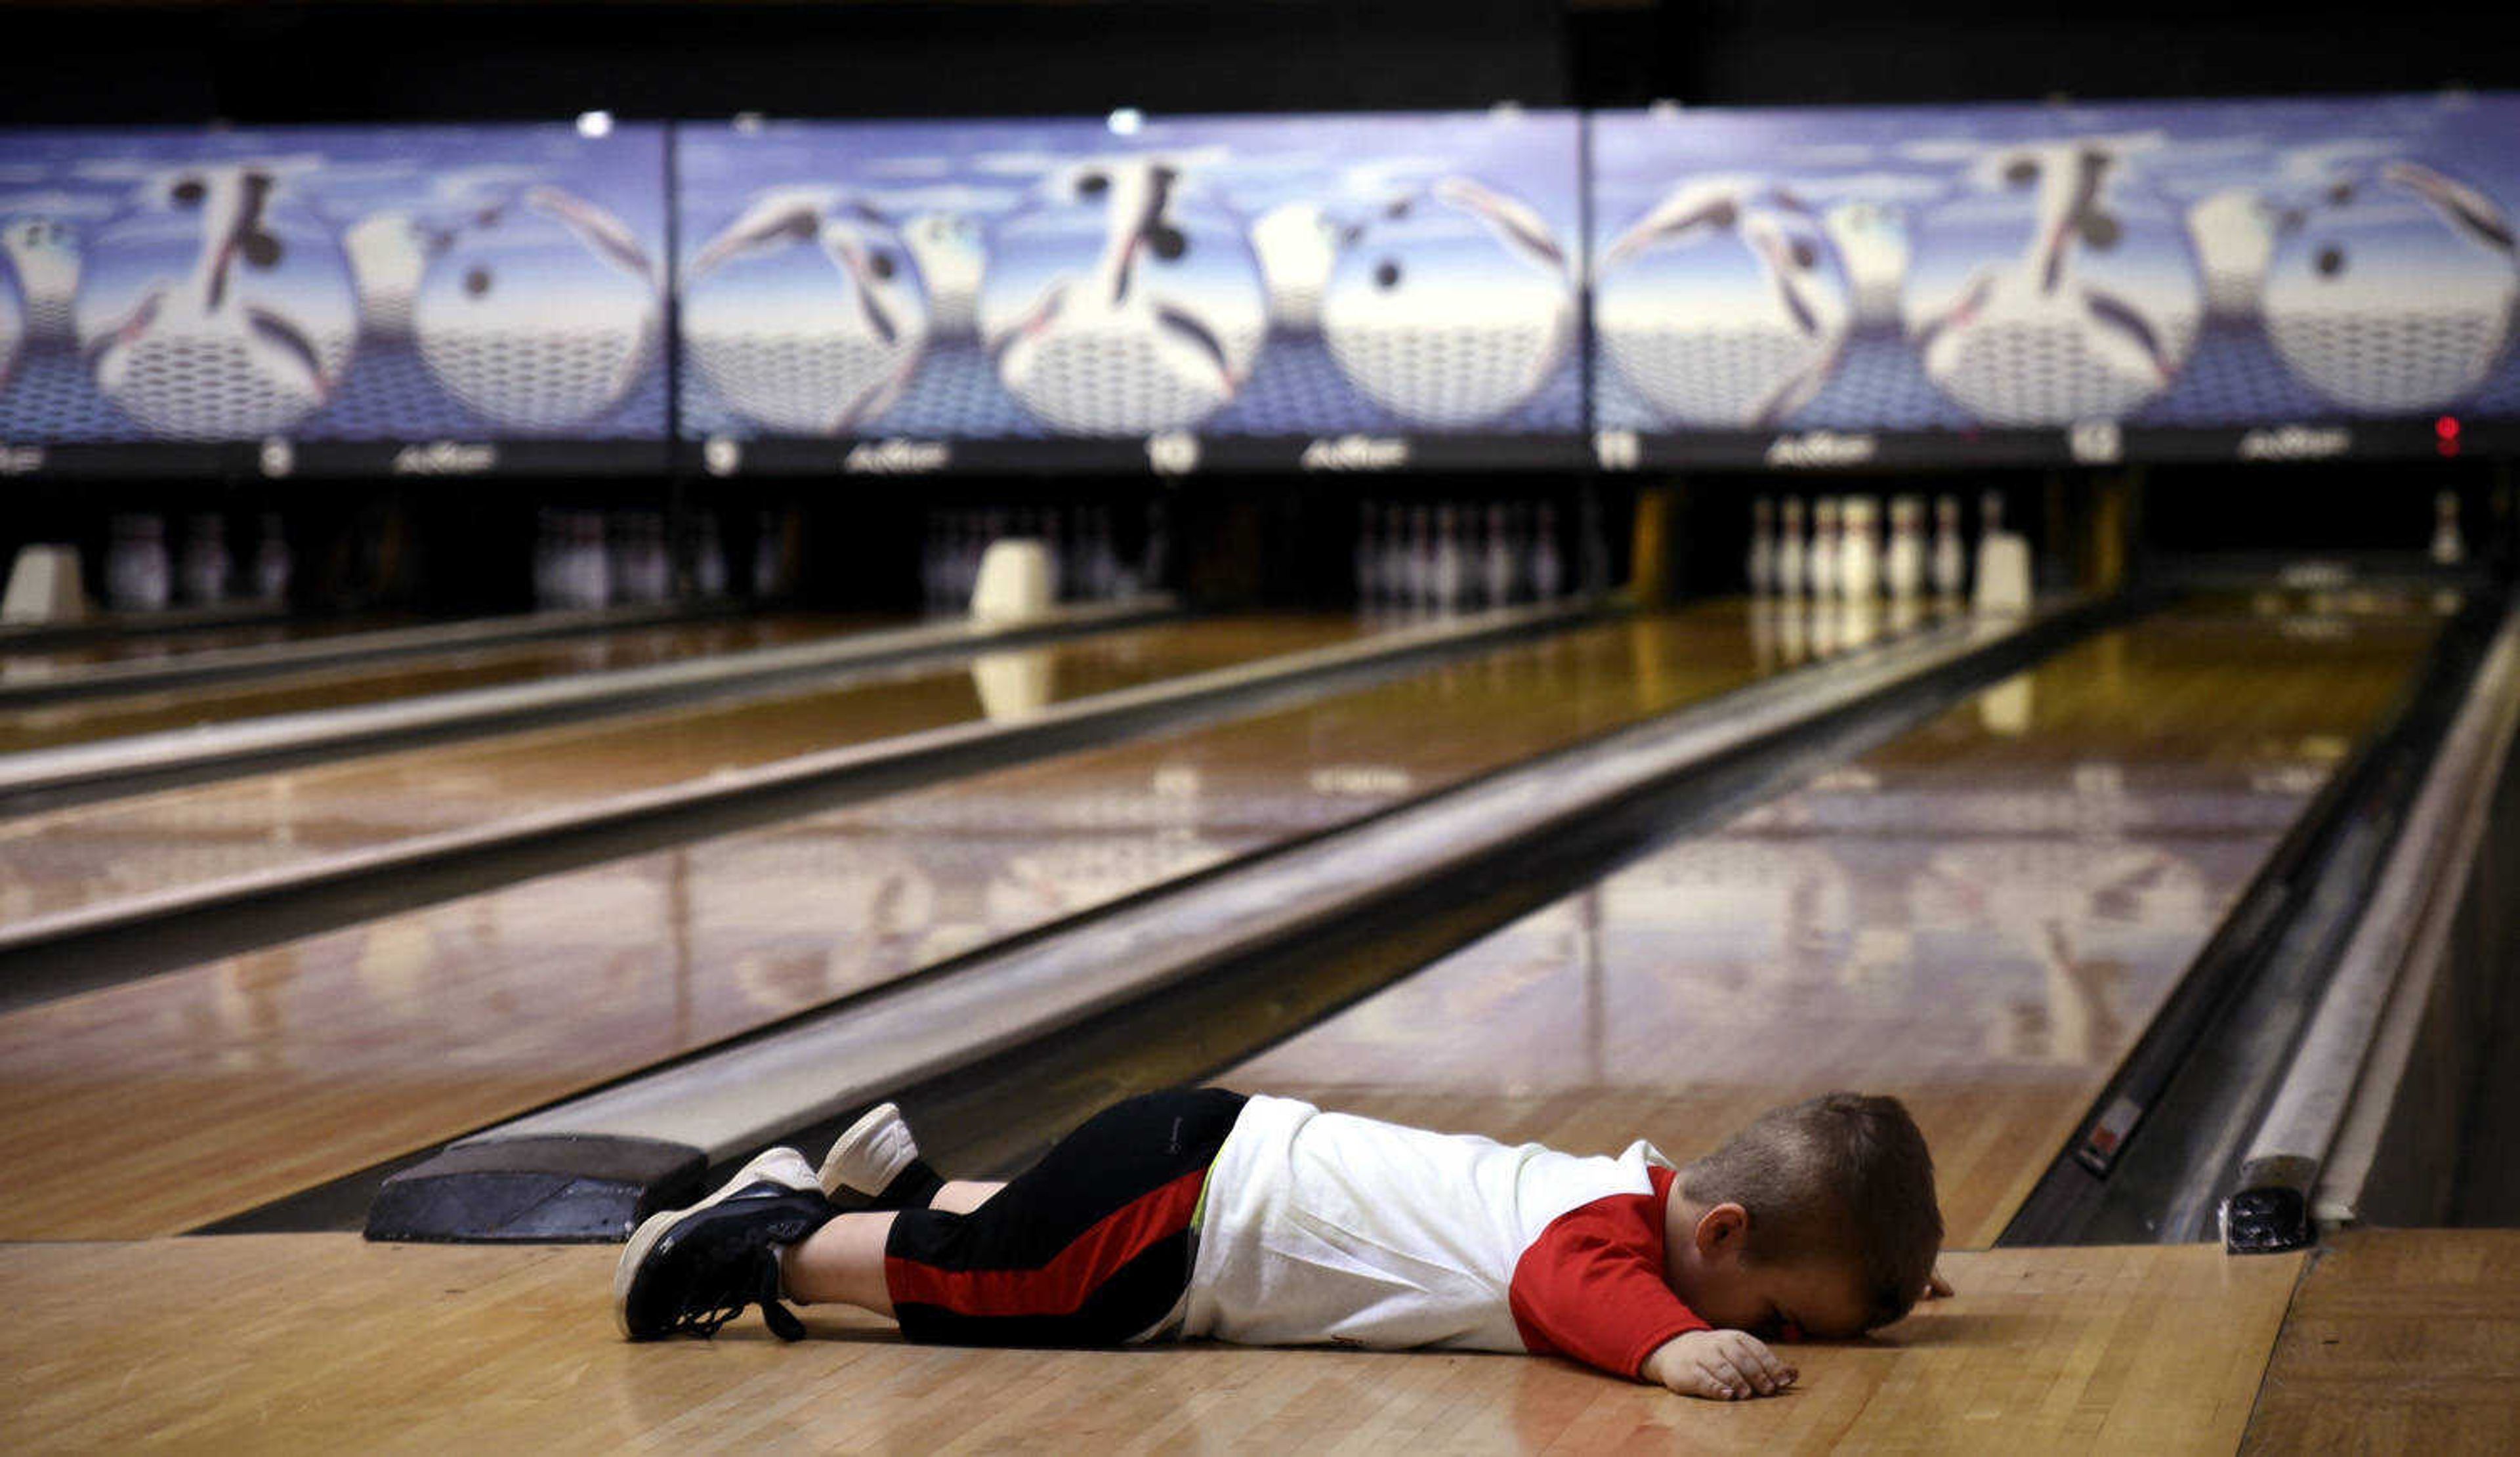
1591, 1288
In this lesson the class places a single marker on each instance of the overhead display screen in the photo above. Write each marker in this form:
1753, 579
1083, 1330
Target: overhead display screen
1174, 293
373, 299
2214, 279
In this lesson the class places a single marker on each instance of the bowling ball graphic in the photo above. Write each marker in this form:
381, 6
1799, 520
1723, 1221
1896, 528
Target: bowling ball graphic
2056, 291
2235, 234
1122, 304
1450, 306
807, 316
540, 313
1298, 244
389, 256
44, 253
1724, 306
2393, 291
951, 255
216, 308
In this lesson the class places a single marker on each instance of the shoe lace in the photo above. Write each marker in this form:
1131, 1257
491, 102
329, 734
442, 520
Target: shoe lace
711, 1304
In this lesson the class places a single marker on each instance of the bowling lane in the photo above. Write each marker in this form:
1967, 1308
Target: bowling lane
89, 854
308, 1060
1979, 916
22, 664
85, 720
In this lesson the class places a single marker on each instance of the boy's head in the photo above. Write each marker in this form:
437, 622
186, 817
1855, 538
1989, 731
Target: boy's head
1818, 1218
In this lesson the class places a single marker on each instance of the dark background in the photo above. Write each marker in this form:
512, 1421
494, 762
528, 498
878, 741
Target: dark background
417, 61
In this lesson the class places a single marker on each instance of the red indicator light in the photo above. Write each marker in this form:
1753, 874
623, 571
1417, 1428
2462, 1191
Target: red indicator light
2447, 428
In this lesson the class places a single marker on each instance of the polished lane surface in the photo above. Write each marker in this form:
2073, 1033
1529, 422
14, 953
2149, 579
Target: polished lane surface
87, 720
1979, 916
306, 1062
89, 855
27, 664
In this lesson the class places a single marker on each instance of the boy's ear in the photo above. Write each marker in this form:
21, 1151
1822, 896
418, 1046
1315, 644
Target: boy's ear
1722, 1230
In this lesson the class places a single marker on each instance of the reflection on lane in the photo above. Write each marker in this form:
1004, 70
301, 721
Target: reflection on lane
90, 853
354, 1046
86, 720
1980, 917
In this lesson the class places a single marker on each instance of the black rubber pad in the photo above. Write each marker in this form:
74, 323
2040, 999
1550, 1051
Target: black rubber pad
566, 1189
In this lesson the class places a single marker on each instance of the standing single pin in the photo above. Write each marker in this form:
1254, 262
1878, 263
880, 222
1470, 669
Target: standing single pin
1951, 559
1763, 546
1793, 552
1858, 553
1547, 567
1823, 570
1500, 563
2448, 549
1902, 565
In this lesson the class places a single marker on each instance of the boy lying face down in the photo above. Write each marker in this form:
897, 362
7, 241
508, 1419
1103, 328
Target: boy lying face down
1265, 1221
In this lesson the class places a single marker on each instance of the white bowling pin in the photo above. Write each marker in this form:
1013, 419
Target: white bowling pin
206, 559
708, 558
1794, 551
272, 565
1448, 558
135, 568
1421, 559
1858, 552
1763, 546
1951, 560
1822, 568
1547, 567
2448, 549
1500, 563
1902, 565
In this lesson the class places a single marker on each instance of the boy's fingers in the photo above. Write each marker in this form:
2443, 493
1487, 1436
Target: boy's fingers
1937, 1288
1728, 1382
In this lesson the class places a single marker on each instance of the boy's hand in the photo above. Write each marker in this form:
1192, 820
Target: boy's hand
1719, 1365
1937, 1288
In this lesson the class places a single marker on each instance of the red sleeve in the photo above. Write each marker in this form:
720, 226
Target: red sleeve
1591, 1286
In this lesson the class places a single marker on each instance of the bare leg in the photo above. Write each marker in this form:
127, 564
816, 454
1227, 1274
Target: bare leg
962, 1196
842, 1261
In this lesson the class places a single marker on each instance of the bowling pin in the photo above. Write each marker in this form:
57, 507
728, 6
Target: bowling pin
1858, 553
2003, 563
1902, 565
1450, 578
1763, 547
1499, 562
1951, 560
206, 559
1823, 570
708, 564
272, 565
2448, 549
1547, 567
1594, 542
1793, 552
135, 567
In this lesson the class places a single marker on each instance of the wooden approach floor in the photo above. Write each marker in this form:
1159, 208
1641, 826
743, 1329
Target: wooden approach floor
2401, 1341
321, 1342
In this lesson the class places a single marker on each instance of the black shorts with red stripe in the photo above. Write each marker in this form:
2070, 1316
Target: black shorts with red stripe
1090, 1246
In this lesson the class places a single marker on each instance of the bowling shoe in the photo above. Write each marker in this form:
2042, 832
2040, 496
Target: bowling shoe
878, 1160
693, 1270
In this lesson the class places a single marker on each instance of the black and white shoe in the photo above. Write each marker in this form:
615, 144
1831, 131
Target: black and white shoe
877, 1160
693, 1270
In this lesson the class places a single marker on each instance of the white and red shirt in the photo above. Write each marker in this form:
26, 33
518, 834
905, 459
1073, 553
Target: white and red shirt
1324, 1227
